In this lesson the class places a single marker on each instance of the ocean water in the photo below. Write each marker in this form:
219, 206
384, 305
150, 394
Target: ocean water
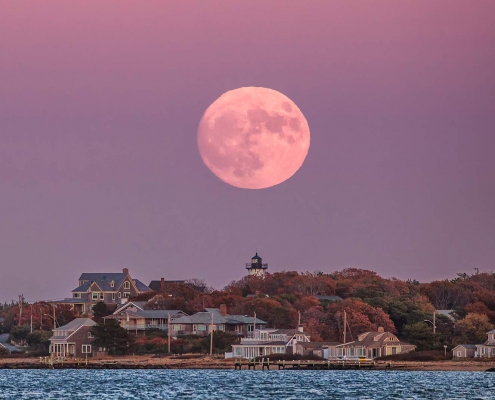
214, 384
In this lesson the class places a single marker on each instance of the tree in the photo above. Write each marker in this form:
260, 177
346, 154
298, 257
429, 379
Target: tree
100, 310
473, 328
112, 337
19, 334
39, 340
421, 335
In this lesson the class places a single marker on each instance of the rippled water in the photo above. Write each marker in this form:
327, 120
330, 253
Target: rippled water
212, 384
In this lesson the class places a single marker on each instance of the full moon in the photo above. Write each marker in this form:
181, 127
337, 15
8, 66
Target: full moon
253, 137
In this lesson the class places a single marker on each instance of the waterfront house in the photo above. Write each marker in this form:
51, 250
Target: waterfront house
73, 339
268, 341
487, 349
200, 323
111, 288
464, 351
136, 319
372, 345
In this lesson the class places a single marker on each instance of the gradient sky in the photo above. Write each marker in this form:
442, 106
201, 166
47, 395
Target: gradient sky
99, 166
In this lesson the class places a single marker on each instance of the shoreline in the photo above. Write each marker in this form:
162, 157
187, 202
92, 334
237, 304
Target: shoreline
206, 362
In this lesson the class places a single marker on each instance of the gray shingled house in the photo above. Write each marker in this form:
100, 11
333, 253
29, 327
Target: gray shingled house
112, 288
199, 323
73, 339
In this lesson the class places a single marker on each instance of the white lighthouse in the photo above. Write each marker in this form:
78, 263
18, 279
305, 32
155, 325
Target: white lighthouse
256, 267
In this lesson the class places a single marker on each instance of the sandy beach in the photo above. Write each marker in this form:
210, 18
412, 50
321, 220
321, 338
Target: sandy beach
206, 362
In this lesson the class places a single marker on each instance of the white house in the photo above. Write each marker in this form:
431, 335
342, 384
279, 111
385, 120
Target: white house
269, 341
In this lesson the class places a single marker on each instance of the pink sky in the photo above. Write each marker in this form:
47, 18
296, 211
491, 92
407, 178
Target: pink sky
99, 169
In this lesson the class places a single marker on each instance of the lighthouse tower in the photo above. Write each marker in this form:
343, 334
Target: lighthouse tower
256, 266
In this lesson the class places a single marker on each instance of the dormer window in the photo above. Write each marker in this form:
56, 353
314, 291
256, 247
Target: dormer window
112, 284
127, 285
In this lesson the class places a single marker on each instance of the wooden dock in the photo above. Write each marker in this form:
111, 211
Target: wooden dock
266, 364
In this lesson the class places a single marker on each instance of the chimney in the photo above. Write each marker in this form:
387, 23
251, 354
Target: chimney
125, 271
223, 309
300, 329
380, 329
162, 285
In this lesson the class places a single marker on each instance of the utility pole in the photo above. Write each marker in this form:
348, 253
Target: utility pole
168, 332
254, 325
434, 323
31, 318
211, 336
21, 299
54, 320
41, 319
345, 324
299, 320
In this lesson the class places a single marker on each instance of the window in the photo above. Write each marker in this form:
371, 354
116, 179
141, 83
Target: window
195, 328
112, 284
127, 285
250, 328
120, 295
77, 295
459, 354
238, 351
102, 296
176, 327
113, 296
201, 327
86, 348
95, 296
90, 335
127, 295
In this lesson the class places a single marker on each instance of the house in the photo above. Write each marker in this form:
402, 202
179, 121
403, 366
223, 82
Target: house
487, 349
318, 349
200, 323
372, 345
73, 340
268, 341
464, 351
133, 317
111, 288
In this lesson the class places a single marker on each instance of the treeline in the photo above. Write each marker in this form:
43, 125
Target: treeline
370, 301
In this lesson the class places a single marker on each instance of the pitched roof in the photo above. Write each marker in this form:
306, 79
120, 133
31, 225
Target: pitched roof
374, 339
147, 313
138, 304
63, 332
76, 324
104, 280
236, 318
492, 331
